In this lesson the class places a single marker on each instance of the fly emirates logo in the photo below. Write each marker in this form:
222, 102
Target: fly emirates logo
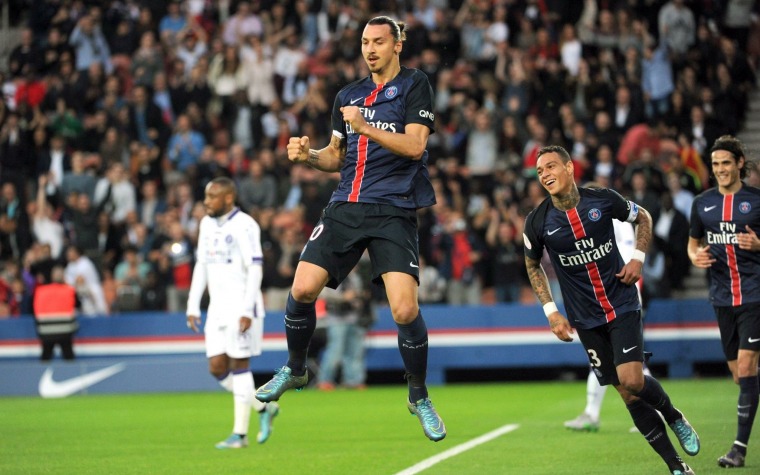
727, 234
589, 253
369, 116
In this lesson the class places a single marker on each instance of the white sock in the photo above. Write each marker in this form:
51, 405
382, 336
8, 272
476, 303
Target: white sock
594, 396
226, 382
242, 392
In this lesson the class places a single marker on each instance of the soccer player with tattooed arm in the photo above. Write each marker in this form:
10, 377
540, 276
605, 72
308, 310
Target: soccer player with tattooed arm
602, 304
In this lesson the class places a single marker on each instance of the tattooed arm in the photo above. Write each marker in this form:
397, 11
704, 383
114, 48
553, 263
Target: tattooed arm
631, 272
540, 283
328, 159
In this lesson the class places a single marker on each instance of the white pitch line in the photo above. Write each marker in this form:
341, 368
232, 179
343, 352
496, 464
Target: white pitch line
429, 462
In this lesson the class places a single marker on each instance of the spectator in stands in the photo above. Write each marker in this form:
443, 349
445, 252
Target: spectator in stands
90, 45
9, 304
130, 275
242, 24
45, 227
193, 45
185, 146
147, 61
350, 314
146, 122
116, 194
24, 54
505, 252
257, 190
656, 80
14, 223
81, 273
172, 24
677, 27
179, 250
14, 147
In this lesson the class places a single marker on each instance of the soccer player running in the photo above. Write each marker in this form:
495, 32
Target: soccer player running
602, 303
380, 124
229, 261
723, 239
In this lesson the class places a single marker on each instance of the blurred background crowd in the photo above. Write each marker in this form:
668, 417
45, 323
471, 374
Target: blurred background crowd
115, 115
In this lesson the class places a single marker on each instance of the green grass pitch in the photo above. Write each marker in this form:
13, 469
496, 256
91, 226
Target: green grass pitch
356, 432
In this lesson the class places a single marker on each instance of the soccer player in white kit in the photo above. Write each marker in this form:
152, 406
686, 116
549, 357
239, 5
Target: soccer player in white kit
229, 262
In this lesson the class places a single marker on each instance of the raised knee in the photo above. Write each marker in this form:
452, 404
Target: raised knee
405, 313
303, 293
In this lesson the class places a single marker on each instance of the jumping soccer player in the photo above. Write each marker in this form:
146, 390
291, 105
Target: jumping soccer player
380, 124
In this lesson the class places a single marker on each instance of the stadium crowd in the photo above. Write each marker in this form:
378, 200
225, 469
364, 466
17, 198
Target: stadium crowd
116, 114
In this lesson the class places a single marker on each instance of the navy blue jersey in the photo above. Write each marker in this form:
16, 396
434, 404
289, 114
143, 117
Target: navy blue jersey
735, 276
371, 173
583, 251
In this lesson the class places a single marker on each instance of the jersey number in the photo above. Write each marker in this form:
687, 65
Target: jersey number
595, 361
317, 231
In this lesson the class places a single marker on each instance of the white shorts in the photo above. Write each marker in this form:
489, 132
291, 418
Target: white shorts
227, 339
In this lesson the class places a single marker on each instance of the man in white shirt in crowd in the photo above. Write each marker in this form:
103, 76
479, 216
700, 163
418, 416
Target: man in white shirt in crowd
229, 262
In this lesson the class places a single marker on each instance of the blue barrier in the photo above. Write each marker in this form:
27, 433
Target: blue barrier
155, 352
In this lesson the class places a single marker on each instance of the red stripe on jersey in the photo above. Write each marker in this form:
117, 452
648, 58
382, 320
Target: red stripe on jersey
733, 264
361, 155
575, 223
592, 269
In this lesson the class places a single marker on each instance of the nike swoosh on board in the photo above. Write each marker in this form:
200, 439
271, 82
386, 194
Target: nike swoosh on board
49, 388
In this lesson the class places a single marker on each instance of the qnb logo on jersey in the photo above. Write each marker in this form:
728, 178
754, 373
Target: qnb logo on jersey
589, 253
727, 235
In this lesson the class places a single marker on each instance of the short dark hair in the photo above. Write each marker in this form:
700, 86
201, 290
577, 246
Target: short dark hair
225, 182
558, 149
734, 146
398, 28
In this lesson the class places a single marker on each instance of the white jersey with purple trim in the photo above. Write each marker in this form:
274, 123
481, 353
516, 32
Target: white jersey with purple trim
229, 261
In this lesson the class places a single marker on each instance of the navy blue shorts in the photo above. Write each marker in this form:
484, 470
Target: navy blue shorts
612, 344
346, 230
739, 328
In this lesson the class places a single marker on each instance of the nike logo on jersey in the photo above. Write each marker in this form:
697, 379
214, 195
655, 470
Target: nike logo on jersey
48, 388
287, 318
411, 264
553, 231
753, 340
628, 350
710, 208
354, 101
